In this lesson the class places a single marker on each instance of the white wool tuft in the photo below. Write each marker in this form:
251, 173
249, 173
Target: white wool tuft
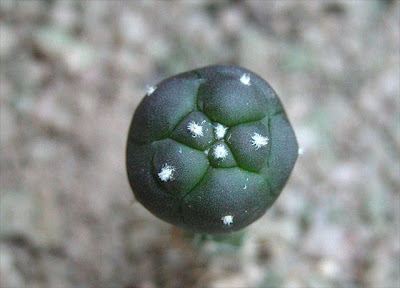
166, 173
245, 79
227, 220
220, 131
196, 129
259, 141
151, 90
220, 152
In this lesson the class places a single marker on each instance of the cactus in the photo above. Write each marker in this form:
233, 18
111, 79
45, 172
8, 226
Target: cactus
210, 150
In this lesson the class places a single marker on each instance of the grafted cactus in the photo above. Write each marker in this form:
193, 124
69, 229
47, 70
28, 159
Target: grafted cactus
210, 150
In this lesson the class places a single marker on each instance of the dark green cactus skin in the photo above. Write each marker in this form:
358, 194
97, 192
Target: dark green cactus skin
188, 172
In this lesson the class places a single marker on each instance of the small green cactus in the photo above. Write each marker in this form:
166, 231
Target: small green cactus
210, 150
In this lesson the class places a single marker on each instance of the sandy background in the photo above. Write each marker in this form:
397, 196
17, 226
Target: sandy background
71, 76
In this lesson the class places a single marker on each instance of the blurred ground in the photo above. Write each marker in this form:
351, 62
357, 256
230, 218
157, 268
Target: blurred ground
71, 76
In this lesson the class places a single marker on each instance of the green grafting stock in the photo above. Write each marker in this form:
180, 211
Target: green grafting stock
210, 150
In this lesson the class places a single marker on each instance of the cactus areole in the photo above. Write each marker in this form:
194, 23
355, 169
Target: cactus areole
210, 150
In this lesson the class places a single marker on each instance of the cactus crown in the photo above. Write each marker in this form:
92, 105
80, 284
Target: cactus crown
210, 149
